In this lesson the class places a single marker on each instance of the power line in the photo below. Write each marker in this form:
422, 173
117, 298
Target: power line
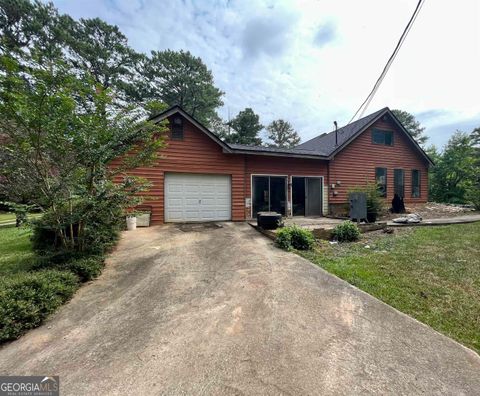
370, 96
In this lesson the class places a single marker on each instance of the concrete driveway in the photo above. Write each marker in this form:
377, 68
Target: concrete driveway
222, 311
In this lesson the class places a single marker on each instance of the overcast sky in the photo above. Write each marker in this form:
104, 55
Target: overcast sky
313, 62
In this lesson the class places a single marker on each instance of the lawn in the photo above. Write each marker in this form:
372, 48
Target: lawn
430, 273
8, 217
15, 250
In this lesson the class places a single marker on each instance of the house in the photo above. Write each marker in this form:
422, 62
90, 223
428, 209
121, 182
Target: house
202, 178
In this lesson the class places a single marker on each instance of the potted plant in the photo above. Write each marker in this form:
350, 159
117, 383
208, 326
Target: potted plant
143, 218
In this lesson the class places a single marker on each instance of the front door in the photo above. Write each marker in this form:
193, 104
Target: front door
269, 194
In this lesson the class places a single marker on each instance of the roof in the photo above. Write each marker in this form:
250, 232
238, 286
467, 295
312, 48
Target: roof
320, 147
345, 135
238, 148
326, 141
277, 150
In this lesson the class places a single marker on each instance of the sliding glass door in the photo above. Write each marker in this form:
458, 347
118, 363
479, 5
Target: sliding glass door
306, 196
269, 194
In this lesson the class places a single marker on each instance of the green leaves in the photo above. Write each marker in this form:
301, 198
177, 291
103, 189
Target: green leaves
456, 170
282, 134
411, 125
246, 127
179, 78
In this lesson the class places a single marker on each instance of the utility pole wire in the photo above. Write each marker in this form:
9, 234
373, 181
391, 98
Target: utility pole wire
370, 96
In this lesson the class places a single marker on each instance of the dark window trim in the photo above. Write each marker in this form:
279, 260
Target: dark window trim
177, 129
419, 183
384, 132
385, 190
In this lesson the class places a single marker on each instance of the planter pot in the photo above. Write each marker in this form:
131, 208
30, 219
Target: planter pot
143, 220
131, 223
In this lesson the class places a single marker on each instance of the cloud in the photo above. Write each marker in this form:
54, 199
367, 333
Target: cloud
278, 57
325, 34
267, 35
440, 134
428, 115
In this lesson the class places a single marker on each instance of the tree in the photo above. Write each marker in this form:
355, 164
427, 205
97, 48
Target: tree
59, 136
220, 127
246, 127
179, 78
282, 134
411, 125
101, 50
28, 28
473, 190
454, 170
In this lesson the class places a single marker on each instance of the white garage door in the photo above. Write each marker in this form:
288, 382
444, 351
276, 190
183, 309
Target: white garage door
191, 197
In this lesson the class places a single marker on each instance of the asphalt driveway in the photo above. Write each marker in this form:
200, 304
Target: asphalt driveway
222, 311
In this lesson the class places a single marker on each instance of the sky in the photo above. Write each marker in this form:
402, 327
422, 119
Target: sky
313, 62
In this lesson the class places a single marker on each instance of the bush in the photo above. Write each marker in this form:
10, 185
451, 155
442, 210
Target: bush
27, 299
100, 225
473, 196
346, 232
85, 267
295, 237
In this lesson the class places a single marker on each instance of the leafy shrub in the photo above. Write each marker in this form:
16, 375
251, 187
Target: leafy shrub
86, 268
473, 196
93, 227
295, 237
284, 238
346, 232
26, 299
375, 201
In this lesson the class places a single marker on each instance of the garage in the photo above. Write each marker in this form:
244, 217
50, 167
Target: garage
197, 197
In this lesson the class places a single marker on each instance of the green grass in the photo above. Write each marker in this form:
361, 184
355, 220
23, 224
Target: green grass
9, 217
430, 273
15, 250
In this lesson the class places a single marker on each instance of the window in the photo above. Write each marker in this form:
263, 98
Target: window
177, 128
382, 137
381, 179
415, 183
398, 182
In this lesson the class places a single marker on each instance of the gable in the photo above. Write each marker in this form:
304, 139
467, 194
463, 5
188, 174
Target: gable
336, 141
397, 146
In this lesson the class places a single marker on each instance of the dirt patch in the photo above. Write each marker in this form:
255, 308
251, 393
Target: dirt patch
433, 210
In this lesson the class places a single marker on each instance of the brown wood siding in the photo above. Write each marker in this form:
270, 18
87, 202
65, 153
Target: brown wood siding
270, 165
355, 164
196, 153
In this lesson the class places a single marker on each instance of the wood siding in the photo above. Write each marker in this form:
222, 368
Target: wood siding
196, 153
355, 164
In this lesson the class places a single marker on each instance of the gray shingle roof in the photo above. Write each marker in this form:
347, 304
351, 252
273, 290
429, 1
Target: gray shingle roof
296, 151
326, 141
